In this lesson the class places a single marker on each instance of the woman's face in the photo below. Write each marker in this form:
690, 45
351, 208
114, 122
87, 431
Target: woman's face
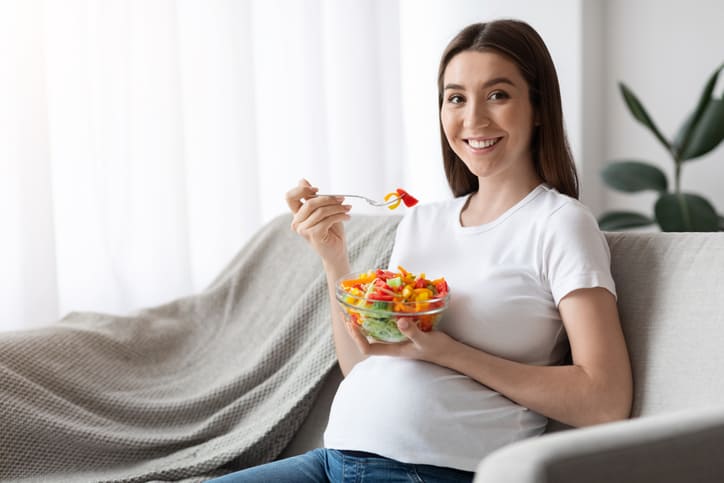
486, 114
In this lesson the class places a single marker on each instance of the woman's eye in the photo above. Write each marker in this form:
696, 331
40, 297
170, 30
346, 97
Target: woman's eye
497, 95
455, 99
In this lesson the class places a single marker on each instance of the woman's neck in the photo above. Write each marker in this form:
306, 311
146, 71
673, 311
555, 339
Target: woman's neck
495, 197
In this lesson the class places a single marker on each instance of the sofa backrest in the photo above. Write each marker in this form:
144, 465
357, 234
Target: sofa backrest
671, 302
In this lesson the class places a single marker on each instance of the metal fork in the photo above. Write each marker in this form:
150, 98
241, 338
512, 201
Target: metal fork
368, 200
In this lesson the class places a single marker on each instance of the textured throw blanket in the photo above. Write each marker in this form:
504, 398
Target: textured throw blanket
175, 392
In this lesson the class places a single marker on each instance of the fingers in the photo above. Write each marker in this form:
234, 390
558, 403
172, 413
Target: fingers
318, 214
312, 212
409, 329
377, 348
323, 232
304, 190
425, 346
361, 341
357, 336
317, 210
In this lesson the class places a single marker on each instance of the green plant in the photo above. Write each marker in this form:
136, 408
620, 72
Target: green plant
675, 210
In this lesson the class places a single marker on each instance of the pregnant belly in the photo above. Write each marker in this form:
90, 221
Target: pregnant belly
418, 407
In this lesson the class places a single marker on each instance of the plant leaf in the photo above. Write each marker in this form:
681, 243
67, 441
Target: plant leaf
703, 129
634, 176
638, 111
709, 132
617, 220
685, 212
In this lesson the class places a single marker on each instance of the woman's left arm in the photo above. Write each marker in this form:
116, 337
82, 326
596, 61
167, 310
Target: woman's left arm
596, 388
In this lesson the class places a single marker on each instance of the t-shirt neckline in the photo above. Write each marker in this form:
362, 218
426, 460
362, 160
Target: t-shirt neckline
492, 224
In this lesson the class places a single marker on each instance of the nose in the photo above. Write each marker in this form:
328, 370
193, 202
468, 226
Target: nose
476, 115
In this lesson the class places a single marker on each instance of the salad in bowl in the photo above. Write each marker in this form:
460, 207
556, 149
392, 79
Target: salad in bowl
376, 299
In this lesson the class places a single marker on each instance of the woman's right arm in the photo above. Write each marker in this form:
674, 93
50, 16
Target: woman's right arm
319, 220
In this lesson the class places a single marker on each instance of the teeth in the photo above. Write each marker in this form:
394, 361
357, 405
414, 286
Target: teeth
482, 144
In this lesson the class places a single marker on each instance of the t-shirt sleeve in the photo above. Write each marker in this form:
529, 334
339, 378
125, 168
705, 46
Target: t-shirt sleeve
575, 252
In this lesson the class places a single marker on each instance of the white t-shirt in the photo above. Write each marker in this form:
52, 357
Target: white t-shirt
506, 279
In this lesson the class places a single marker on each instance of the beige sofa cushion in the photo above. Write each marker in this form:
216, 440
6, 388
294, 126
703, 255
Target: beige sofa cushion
671, 301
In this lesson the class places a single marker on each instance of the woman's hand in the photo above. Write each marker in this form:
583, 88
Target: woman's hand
424, 346
318, 219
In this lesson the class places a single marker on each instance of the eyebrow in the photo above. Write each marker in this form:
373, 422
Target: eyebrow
489, 83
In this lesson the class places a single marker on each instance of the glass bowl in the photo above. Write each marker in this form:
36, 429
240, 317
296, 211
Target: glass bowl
377, 319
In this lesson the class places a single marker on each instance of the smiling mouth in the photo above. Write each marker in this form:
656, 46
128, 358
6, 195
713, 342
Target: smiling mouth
482, 143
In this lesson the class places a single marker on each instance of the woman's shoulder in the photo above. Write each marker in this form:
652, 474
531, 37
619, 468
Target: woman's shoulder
566, 219
558, 207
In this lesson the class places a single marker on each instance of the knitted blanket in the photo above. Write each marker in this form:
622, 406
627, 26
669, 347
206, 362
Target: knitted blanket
175, 392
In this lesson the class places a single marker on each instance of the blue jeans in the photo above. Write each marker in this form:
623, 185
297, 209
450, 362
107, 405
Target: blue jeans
322, 464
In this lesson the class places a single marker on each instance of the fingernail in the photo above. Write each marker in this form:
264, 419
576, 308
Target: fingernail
347, 207
403, 324
339, 198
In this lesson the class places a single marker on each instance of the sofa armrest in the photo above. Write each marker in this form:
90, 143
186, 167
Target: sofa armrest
675, 447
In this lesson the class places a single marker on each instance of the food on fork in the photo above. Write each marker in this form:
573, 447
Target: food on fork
392, 200
403, 196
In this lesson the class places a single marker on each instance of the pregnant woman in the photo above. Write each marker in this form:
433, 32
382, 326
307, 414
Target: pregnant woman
529, 274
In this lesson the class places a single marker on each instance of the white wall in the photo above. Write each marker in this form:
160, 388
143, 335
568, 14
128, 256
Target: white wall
664, 51
591, 105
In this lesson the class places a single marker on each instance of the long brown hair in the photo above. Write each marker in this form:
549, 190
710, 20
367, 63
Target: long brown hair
520, 43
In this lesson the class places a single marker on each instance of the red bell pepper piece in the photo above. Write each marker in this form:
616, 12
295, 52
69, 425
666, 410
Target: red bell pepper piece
407, 198
384, 274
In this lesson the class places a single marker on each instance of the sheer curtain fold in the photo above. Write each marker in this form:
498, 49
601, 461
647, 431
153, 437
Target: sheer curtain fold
116, 160
27, 238
143, 142
353, 95
219, 133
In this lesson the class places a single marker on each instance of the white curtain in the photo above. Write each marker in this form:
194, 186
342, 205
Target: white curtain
142, 142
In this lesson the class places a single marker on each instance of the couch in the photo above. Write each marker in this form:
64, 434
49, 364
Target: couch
671, 302
222, 380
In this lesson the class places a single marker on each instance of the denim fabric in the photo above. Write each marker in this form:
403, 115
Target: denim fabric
322, 465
